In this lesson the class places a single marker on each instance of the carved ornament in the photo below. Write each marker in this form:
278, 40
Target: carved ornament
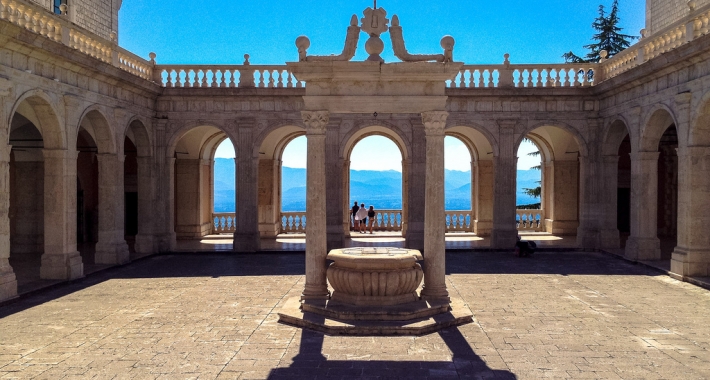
315, 121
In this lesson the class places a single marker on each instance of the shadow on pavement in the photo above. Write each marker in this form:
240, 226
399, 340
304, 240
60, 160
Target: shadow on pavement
310, 363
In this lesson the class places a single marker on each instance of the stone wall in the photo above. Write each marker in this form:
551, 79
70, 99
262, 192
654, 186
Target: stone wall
97, 16
661, 13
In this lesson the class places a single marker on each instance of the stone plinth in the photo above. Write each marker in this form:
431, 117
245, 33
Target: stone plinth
374, 276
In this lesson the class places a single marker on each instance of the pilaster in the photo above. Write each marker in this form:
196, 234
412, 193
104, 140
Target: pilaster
504, 231
246, 236
434, 209
164, 167
8, 281
482, 197
334, 186
643, 244
316, 237
145, 243
415, 187
61, 260
692, 255
111, 247
609, 183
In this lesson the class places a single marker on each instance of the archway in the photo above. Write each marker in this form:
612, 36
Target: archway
87, 196
479, 154
667, 220
138, 190
192, 182
616, 153
375, 174
293, 185
529, 191
560, 149
26, 208
458, 186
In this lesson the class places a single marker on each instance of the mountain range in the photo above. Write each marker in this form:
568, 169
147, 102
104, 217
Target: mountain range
382, 189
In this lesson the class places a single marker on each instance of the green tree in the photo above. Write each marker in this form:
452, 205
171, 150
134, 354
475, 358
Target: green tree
608, 37
537, 191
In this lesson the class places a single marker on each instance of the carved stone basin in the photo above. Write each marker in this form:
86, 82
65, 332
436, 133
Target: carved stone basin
374, 276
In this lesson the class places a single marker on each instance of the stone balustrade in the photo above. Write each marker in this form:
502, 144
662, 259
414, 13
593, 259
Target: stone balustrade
293, 222
56, 28
696, 24
529, 220
223, 222
524, 75
459, 221
213, 76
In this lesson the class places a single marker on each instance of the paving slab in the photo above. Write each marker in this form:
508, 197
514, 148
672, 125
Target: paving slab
214, 316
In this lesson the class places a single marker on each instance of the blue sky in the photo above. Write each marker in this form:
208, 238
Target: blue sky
221, 31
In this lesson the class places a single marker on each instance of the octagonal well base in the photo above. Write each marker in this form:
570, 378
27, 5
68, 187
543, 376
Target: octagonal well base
414, 319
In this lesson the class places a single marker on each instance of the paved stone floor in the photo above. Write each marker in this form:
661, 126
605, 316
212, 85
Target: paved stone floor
557, 315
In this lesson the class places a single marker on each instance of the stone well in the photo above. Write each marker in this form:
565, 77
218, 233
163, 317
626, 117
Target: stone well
374, 276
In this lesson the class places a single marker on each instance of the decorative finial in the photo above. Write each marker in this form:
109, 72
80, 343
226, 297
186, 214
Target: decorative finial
246, 60
63, 9
603, 54
152, 58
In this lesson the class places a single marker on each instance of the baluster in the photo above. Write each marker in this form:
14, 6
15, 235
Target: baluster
290, 80
462, 79
3, 11
11, 13
261, 78
304, 222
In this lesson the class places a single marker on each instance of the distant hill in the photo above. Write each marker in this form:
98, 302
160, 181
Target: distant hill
383, 189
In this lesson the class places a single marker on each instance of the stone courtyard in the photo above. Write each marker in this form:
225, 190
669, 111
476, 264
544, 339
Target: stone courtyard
557, 315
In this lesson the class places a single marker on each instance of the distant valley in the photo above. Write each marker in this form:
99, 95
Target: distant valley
382, 189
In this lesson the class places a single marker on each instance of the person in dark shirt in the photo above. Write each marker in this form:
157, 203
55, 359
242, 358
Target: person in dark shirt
371, 217
353, 211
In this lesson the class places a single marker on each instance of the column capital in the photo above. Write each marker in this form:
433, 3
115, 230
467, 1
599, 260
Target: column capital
434, 122
316, 121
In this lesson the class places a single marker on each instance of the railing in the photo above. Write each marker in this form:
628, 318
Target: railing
385, 220
459, 221
213, 76
524, 75
223, 222
293, 222
696, 24
529, 220
56, 28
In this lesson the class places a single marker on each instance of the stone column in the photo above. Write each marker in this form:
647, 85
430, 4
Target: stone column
111, 247
146, 206
335, 205
269, 208
692, 255
482, 197
609, 183
61, 260
345, 194
164, 167
434, 209
316, 236
416, 187
643, 244
504, 230
8, 281
246, 236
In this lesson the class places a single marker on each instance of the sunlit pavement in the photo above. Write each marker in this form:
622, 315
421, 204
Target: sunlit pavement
212, 315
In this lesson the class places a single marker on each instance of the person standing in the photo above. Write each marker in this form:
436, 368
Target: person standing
353, 211
362, 216
371, 217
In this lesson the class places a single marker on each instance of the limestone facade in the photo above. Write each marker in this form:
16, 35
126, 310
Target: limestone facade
84, 122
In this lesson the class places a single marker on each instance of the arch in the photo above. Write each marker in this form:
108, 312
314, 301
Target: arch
201, 134
272, 142
38, 107
656, 122
138, 133
554, 141
382, 129
94, 121
614, 134
699, 134
480, 142
547, 153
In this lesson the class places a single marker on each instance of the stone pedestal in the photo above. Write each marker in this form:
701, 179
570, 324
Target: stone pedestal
374, 276
434, 209
61, 260
692, 255
111, 247
643, 244
316, 244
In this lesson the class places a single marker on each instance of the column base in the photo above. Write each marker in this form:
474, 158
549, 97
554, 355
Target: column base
315, 292
112, 253
643, 249
61, 266
144, 244
166, 242
438, 295
483, 227
504, 238
246, 242
8, 284
691, 262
